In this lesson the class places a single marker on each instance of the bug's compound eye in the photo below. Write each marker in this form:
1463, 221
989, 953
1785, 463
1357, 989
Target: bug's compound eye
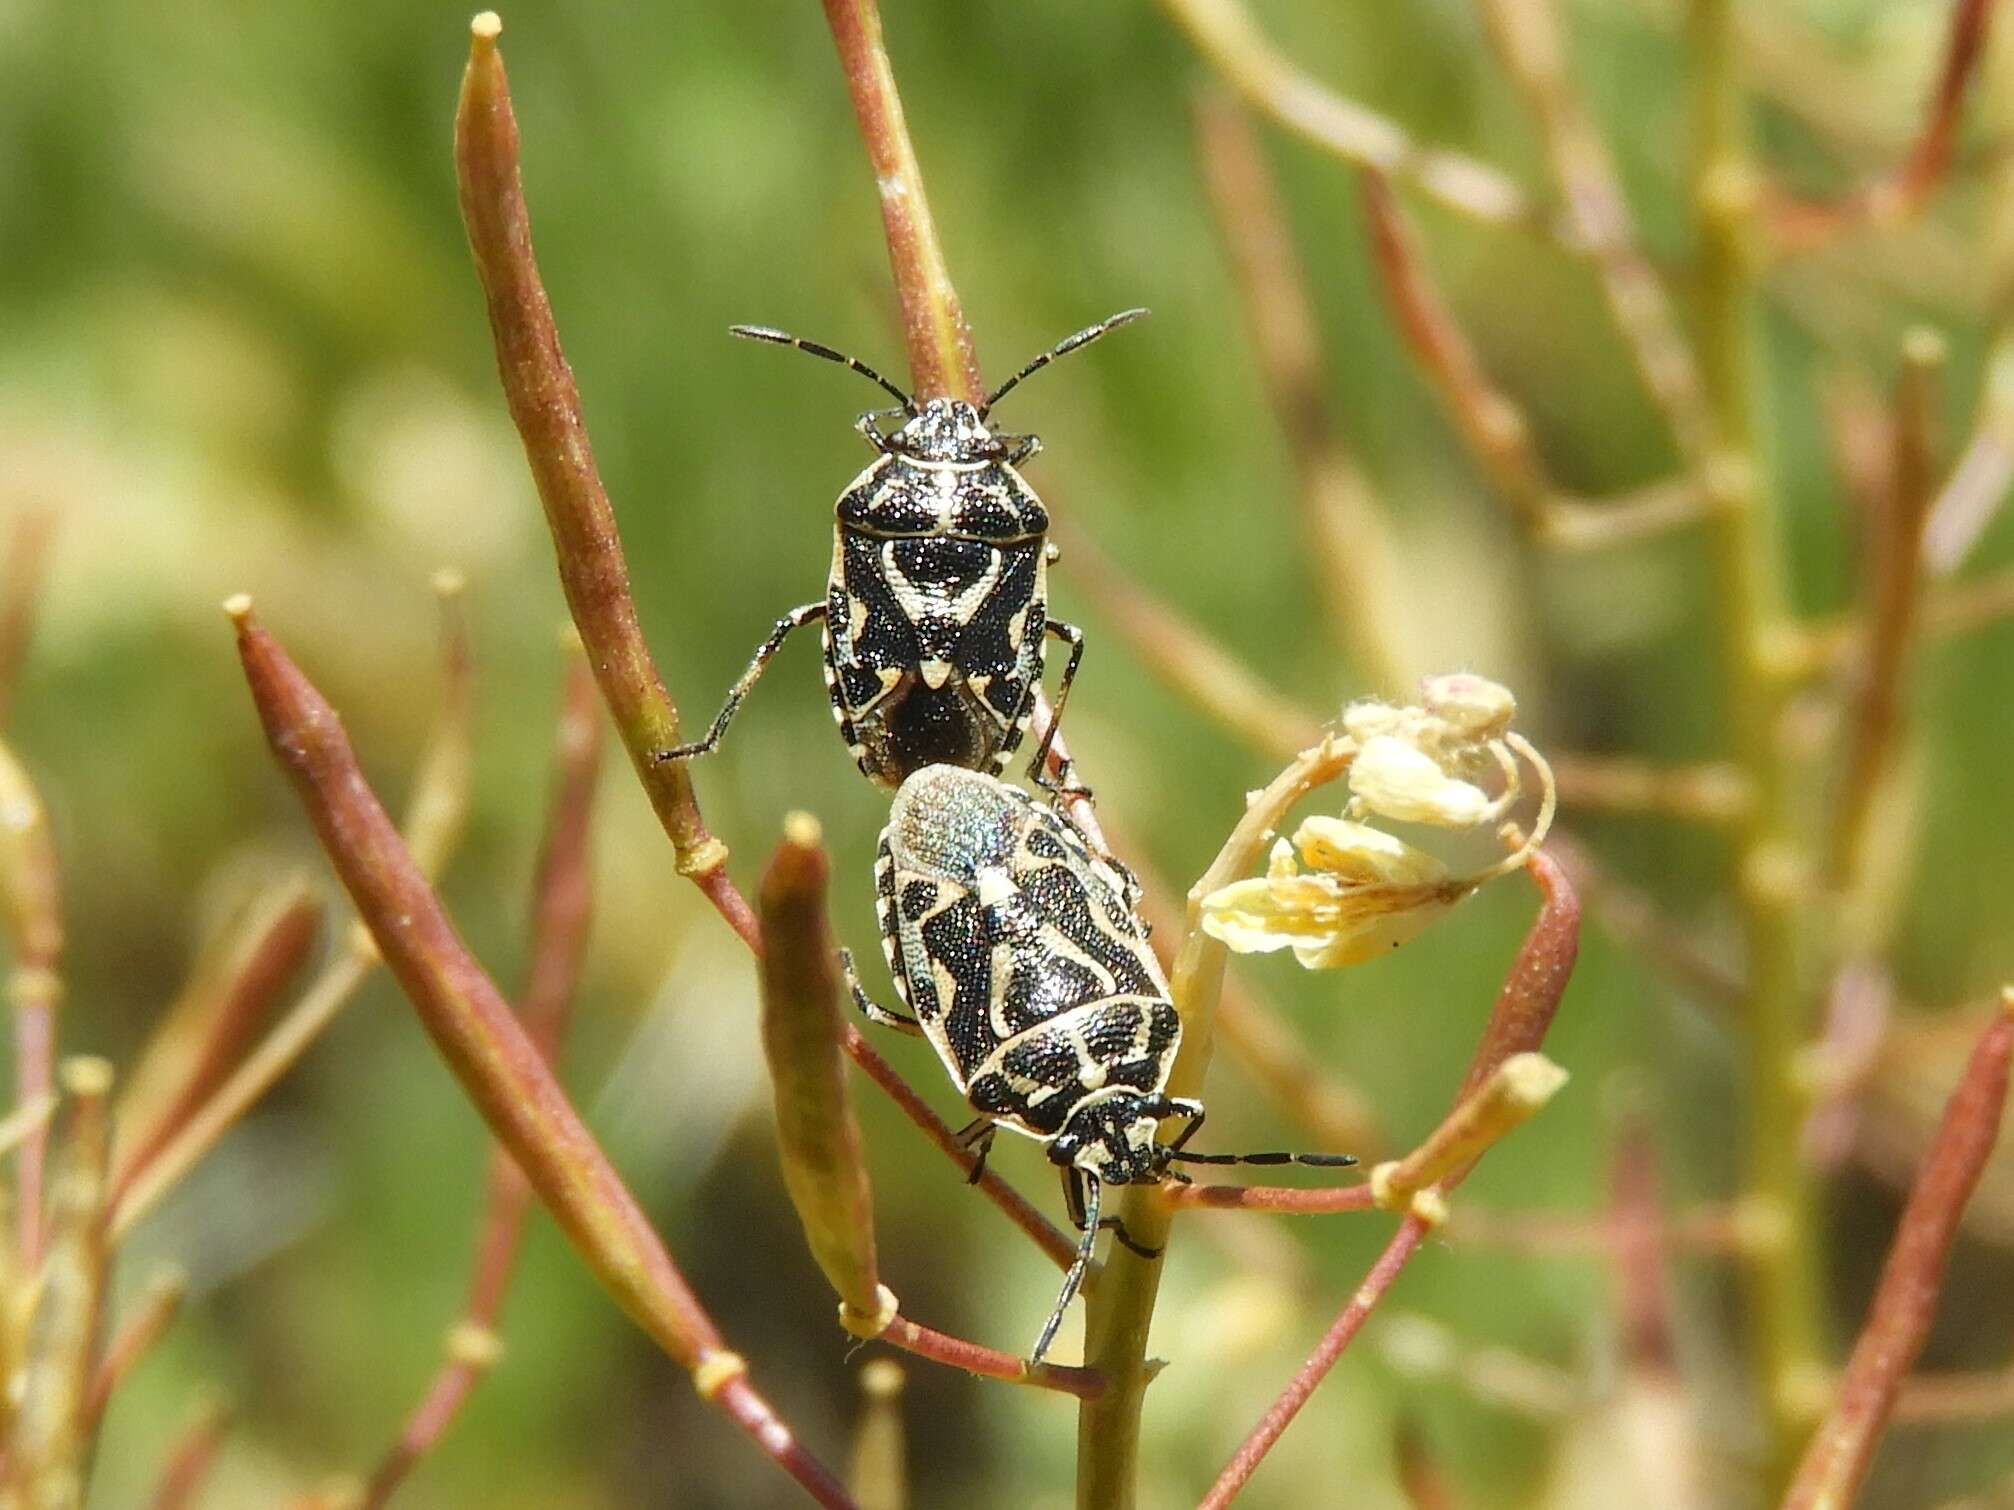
1063, 1149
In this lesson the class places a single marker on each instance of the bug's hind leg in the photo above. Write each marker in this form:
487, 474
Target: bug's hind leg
1063, 786
797, 618
871, 1009
978, 1135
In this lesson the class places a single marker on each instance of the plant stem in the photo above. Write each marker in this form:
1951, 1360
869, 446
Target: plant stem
942, 363
1783, 1275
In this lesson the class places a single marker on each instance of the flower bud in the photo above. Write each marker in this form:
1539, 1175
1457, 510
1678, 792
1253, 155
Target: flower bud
1398, 780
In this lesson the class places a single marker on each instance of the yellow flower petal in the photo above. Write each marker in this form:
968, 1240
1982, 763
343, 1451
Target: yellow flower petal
1363, 855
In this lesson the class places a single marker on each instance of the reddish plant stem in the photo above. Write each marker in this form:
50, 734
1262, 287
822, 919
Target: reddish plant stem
1383, 1274
269, 958
135, 1337
1525, 1007
561, 913
499, 1067
190, 1461
990, 1363
1062, 1250
545, 405
1638, 1261
1800, 224
1905, 1301
1344, 521
942, 363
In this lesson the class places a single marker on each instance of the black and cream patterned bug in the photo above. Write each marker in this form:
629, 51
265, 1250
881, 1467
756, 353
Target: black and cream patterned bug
1020, 957
936, 609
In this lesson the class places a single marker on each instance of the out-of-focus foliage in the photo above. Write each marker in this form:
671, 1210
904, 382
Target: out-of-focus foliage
241, 348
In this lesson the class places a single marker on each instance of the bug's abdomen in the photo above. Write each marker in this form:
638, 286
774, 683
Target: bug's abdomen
1040, 1076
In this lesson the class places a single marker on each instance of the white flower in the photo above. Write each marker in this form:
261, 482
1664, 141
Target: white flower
1474, 708
1397, 780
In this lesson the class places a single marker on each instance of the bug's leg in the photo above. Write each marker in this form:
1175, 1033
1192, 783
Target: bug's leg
1192, 1110
1061, 787
1016, 449
976, 1134
1086, 1201
871, 1009
797, 618
869, 427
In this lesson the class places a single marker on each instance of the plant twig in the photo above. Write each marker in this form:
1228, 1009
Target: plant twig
152, 1314
1979, 483
1517, 1025
1800, 224
545, 406
1783, 1311
202, 1036
561, 910
502, 1071
989, 1363
1228, 40
31, 910
21, 597
1905, 1300
49, 1447
942, 363
1709, 792
1357, 563
1527, 38
1183, 655
1514, 1091
1892, 572
435, 811
1121, 1308
190, 1460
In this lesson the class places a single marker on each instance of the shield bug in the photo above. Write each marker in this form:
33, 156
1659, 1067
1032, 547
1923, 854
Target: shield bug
936, 609
1020, 957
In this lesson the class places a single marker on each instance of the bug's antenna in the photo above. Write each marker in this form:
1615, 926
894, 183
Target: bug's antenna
1075, 1278
785, 338
1318, 1160
1062, 349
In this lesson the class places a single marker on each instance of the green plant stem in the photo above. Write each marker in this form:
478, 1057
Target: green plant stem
1120, 1311
1783, 1275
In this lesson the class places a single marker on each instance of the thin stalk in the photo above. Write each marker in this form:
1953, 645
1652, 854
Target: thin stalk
1905, 1301
1784, 1276
1120, 1311
21, 597
878, 1473
561, 911
544, 404
501, 1070
942, 363
31, 910
435, 812
190, 1460
153, 1313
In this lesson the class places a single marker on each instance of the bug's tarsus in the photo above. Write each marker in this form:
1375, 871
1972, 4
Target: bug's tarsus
818, 349
1074, 1280
977, 1135
868, 427
871, 1009
797, 618
1062, 348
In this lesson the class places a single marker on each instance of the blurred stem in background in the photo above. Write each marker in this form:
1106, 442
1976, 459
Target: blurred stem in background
1772, 871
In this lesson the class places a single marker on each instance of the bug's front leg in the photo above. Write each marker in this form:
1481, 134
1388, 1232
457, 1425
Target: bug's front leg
871, 1009
1073, 1202
797, 618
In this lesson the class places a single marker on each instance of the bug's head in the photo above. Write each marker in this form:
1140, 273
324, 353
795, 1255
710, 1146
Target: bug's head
1115, 1137
946, 429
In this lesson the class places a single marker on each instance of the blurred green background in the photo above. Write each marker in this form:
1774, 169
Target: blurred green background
241, 348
